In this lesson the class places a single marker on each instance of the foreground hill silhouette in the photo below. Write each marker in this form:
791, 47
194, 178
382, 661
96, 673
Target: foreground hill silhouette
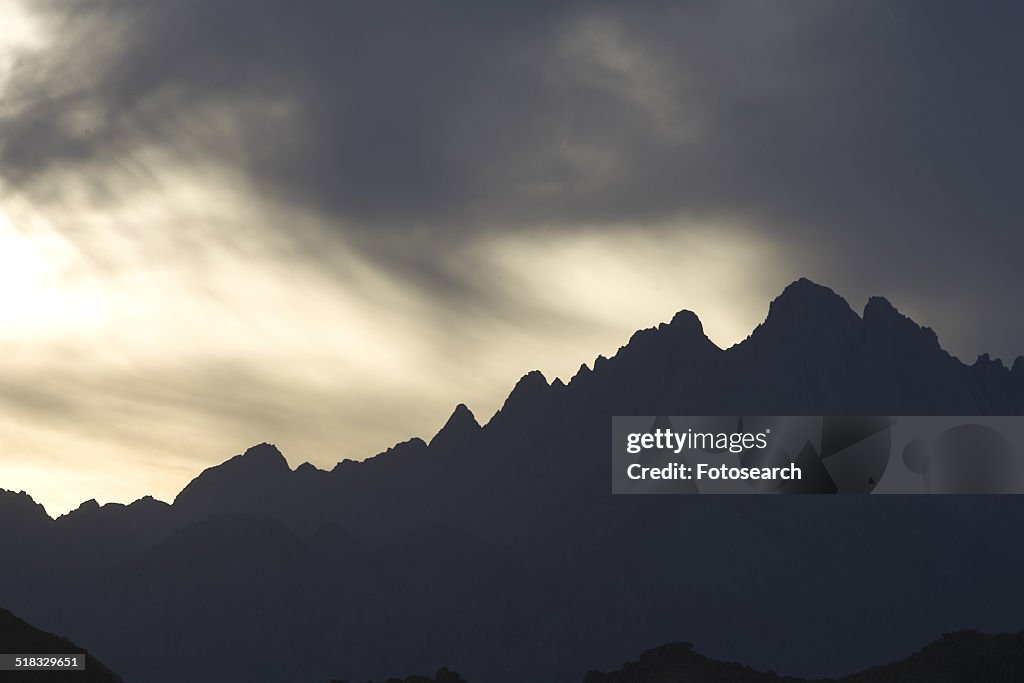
442, 676
18, 637
504, 537
962, 657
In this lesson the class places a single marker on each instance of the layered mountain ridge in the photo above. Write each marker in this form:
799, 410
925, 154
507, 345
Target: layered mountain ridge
802, 317
430, 554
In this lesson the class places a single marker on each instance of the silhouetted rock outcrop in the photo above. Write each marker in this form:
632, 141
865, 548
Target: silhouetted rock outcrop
529, 393
458, 430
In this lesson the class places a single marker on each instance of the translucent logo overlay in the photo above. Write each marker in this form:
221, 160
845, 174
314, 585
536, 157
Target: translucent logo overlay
817, 454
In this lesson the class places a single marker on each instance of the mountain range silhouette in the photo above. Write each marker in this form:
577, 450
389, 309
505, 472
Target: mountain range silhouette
498, 550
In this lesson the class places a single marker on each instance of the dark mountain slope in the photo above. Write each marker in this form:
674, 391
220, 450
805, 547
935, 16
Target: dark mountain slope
957, 658
18, 637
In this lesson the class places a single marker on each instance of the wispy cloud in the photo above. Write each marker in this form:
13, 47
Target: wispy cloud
228, 222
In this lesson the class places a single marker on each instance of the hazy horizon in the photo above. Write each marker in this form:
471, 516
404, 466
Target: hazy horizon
173, 487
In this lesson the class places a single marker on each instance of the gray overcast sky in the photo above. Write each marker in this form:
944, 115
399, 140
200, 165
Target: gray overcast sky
324, 224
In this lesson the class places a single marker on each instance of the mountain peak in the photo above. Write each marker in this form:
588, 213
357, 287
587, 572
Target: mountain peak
462, 413
529, 386
263, 458
879, 309
265, 454
149, 504
684, 333
984, 360
880, 315
525, 395
806, 308
244, 476
461, 424
582, 375
806, 296
880, 306
684, 322
20, 505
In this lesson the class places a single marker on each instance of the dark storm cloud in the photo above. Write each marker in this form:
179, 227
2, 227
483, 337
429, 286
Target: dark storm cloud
886, 132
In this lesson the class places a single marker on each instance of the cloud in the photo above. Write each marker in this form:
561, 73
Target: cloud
132, 359
370, 194
883, 127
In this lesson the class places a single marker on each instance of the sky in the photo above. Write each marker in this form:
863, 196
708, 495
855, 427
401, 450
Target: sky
325, 224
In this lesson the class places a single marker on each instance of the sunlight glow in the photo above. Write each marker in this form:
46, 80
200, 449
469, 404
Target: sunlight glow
21, 32
35, 298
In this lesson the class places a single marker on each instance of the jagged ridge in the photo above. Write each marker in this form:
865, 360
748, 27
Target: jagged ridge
486, 527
